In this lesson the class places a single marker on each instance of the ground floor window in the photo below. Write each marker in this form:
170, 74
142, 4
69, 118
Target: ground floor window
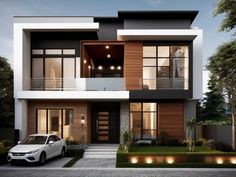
55, 121
143, 120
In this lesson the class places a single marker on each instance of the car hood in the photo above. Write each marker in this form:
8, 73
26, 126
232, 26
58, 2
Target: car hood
26, 147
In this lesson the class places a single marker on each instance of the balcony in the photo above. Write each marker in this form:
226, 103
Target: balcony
106, 84
78, 84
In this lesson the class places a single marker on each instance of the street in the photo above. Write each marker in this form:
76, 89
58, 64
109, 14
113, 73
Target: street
112, 172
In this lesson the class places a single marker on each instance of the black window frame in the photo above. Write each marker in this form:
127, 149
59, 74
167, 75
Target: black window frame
141, 113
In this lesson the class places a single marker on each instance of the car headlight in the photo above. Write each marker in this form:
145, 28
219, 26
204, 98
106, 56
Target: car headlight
32, 152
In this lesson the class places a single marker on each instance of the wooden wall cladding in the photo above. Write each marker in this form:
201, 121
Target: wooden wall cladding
80, 108
171, 119
133, 65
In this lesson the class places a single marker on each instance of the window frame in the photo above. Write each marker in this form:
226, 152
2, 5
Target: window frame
141, 112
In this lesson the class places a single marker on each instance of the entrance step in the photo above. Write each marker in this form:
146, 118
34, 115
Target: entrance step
101, 151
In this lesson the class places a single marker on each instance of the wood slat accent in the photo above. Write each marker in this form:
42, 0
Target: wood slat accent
171, 119
133, 62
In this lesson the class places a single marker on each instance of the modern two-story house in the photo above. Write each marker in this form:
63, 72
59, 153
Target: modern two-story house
89, 79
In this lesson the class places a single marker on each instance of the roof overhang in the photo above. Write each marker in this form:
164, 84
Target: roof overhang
163, 34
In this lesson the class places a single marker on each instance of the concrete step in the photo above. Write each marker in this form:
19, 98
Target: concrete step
101, 151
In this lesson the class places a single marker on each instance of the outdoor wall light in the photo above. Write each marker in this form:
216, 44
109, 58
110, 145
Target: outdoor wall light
219, 161
82, 119
134, 160
233, 160
108, 56
89, 66
149, 160
85, 61
170, 160
112, 67
107, 47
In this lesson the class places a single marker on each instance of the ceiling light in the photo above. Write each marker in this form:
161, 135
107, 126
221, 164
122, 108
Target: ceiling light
119, 67
108, 56
100, 67
107, 47
112, 67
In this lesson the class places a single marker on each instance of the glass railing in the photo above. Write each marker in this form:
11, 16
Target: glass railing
80, 84
108, 84
165, 83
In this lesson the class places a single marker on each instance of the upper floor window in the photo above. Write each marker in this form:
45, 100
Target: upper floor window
53, 69
166, 67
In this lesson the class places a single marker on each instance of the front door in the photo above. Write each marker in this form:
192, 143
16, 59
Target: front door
105, 122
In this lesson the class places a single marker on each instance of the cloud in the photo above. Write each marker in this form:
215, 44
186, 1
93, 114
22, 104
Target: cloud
153, 2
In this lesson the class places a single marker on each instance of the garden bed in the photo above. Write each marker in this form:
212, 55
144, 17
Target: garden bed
165, 156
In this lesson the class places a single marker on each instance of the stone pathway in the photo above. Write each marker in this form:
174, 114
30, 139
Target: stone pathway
95, 163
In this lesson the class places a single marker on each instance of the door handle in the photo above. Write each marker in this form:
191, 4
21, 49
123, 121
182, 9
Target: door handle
97, 125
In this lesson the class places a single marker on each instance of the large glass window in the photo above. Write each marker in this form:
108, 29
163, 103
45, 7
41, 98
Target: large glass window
143, 120
56, 121
165, 67
54, 69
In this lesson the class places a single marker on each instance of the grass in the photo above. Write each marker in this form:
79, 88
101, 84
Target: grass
72, 161
169, 150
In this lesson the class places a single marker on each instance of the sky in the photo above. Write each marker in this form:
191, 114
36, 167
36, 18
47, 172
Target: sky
205, 20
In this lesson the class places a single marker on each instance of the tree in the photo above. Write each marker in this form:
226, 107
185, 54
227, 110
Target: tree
228, 7
213, 103
223, 66
6, 95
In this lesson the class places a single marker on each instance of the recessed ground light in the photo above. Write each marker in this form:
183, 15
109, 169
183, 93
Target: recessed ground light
119, 67
112, 67
85, 61
100, 67
219, 161
149, 160
134, 160
170, 160
107, 47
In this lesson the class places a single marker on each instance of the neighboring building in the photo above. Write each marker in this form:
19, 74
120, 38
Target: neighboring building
91, 78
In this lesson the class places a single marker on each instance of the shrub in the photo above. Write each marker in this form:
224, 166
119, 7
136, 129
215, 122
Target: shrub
6, 144
74, 152
173, 142
163, 138
126, 140
223, 147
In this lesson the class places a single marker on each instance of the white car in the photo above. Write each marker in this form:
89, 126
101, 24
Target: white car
37, 148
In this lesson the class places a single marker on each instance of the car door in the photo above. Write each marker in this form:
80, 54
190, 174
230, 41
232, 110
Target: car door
58, 145
50, 150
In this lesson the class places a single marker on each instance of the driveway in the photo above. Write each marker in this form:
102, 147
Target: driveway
52, 163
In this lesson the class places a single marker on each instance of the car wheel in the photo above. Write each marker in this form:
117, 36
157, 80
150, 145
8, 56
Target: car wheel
63, 152
42, 159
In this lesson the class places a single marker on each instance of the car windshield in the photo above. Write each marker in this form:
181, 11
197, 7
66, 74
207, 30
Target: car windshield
34, 140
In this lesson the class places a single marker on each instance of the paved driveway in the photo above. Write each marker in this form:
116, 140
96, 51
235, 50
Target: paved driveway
52, 163
101, 172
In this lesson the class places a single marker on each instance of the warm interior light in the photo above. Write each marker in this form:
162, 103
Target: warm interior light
170, 160
233, 160
149, 160
119, 67
112, 67
108, 56
107, 47
219, 161
100, 67
85, 61
134, 160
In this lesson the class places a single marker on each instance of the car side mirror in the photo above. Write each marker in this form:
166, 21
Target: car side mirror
18, 142
51, 142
